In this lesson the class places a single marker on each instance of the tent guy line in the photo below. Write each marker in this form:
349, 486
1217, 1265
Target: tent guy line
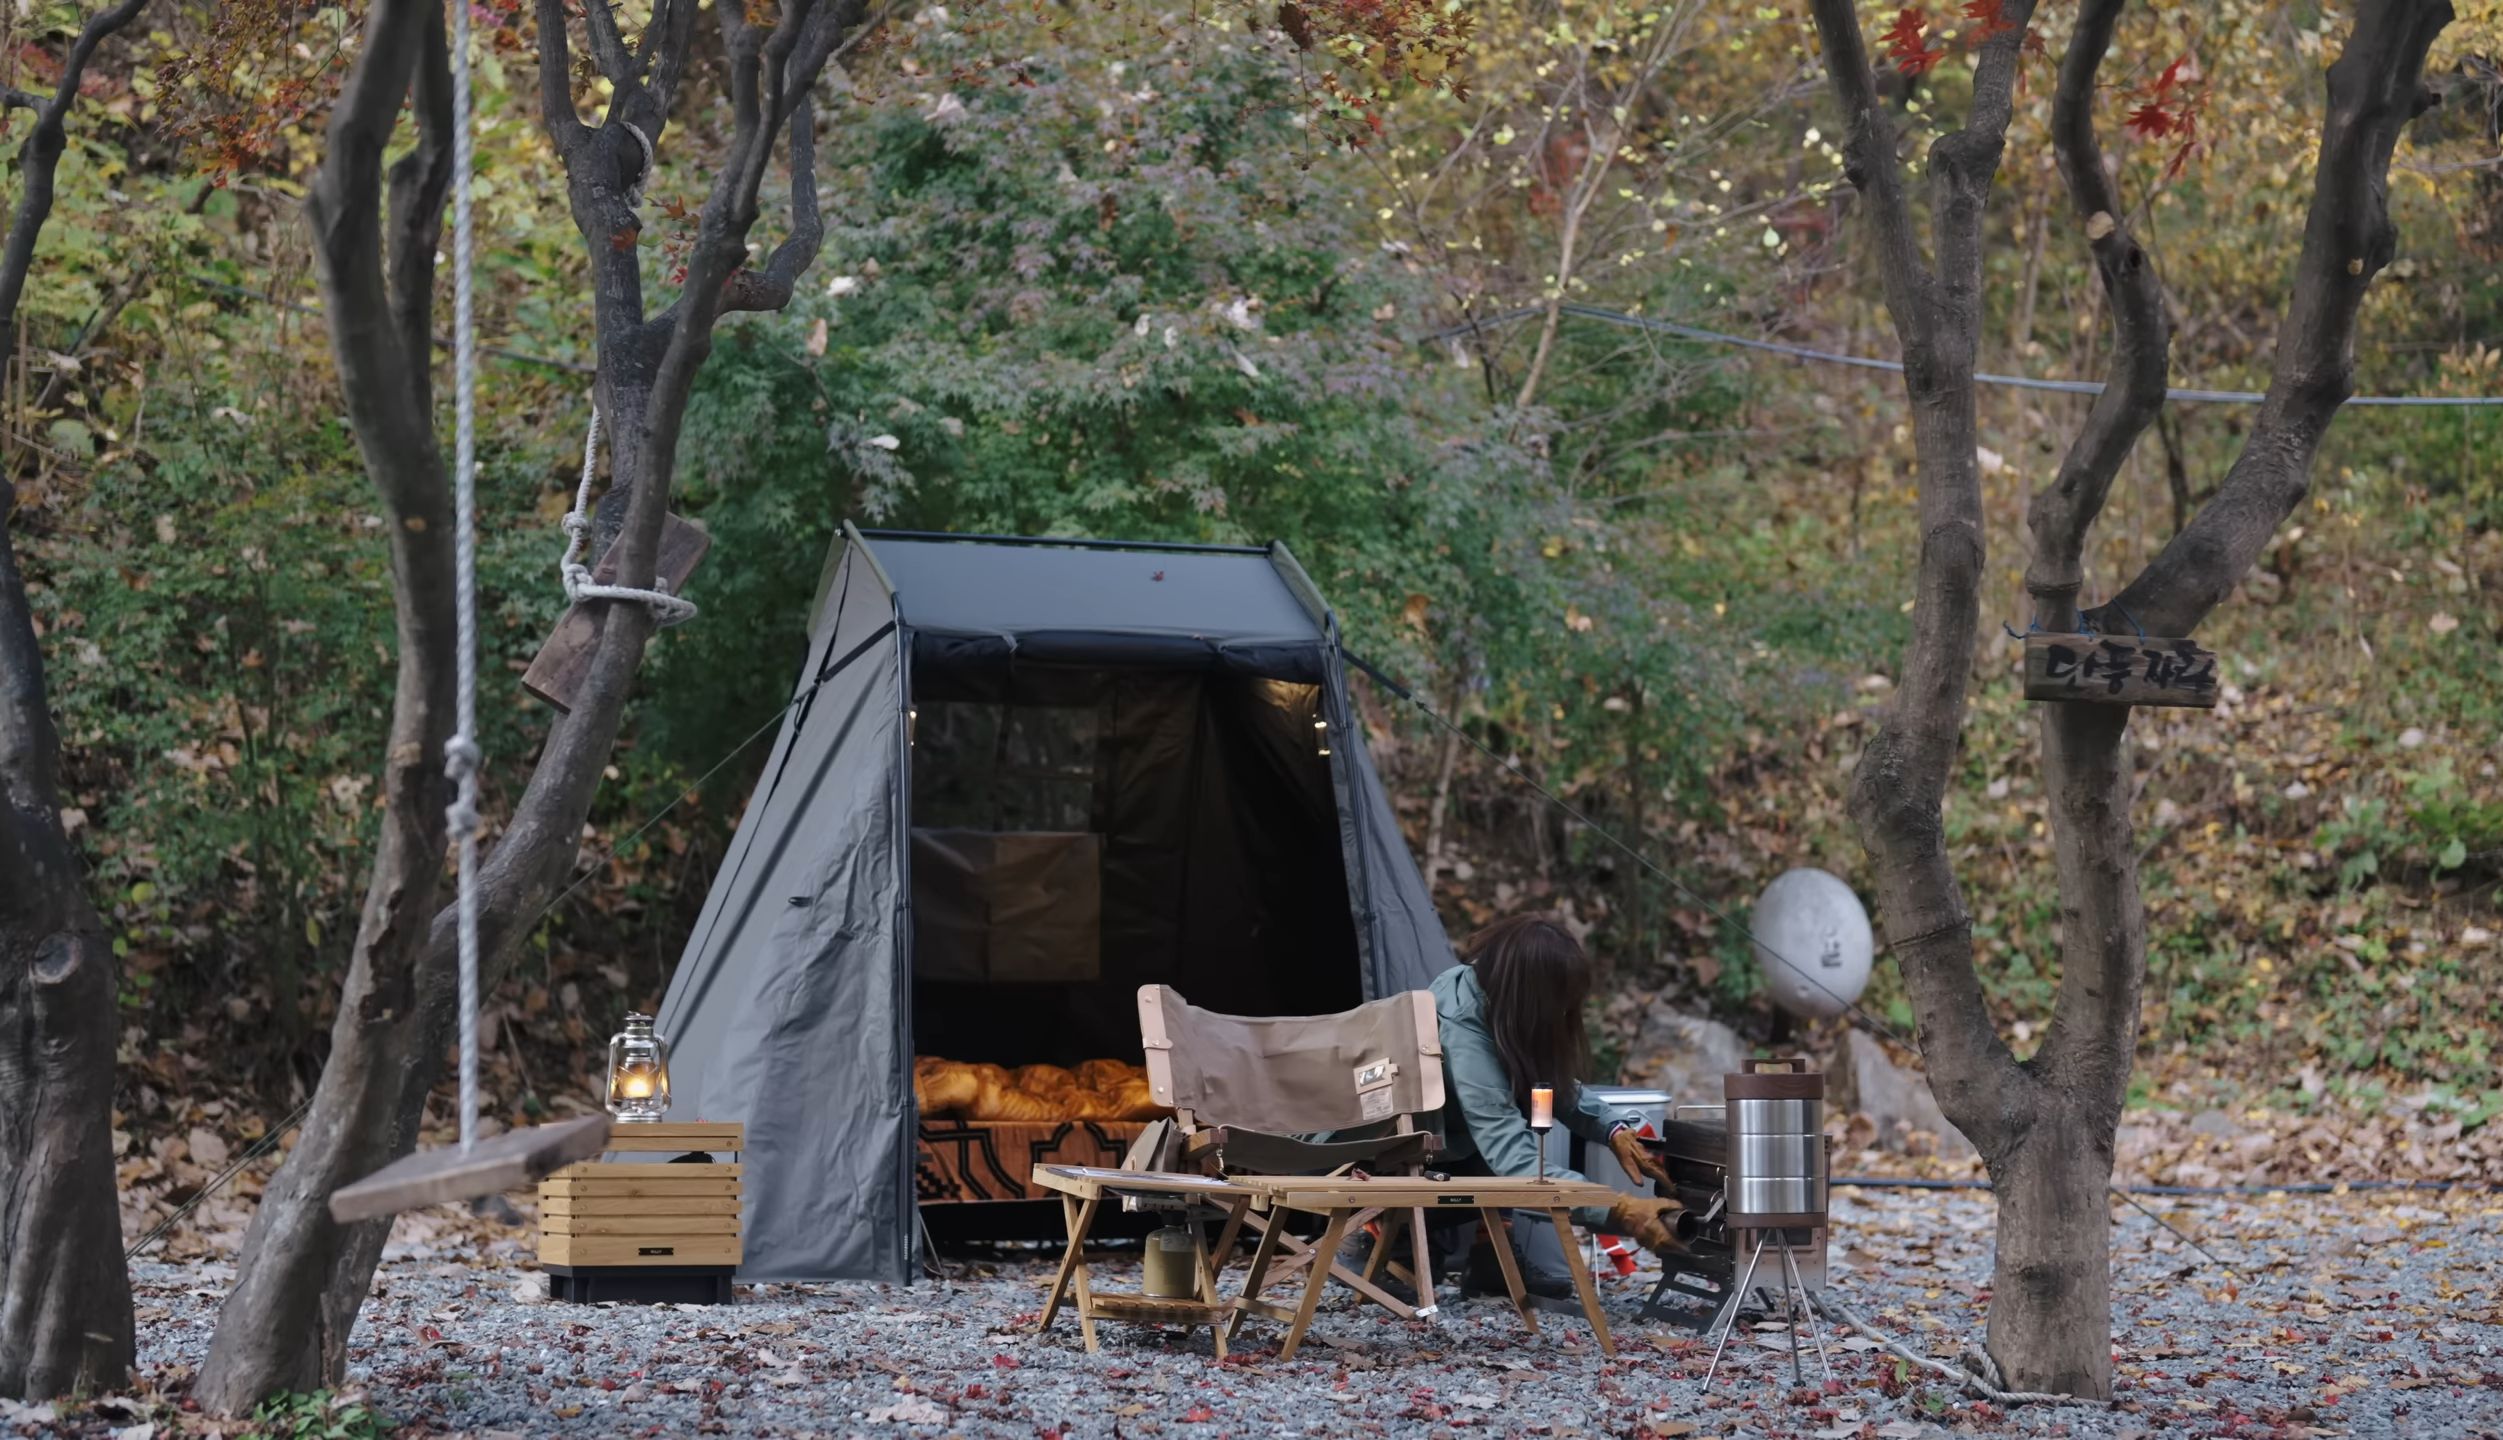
1895, 367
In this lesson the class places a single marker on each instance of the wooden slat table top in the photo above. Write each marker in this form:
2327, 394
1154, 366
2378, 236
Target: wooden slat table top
646, 1170
1320, 1194
677, 1136
1092, 1182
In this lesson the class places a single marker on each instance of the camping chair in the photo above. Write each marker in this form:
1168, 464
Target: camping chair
1248, 1093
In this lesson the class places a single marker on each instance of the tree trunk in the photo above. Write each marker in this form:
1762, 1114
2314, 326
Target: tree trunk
2051, 1283
65, 1316
283, 1327
305, 1279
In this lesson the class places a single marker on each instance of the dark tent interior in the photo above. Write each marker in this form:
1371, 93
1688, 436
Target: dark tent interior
1080, 830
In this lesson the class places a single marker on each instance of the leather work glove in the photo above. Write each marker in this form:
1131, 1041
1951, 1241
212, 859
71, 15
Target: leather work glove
1635, 1156
1647, 1219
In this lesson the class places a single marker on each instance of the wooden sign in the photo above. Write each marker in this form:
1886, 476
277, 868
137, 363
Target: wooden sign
2120, 670
558, 670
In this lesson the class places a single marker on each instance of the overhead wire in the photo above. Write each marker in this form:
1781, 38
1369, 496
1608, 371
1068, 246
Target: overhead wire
1850, 1006
1701, 336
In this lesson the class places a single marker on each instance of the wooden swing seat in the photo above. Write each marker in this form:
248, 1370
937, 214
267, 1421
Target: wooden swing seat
510, 1161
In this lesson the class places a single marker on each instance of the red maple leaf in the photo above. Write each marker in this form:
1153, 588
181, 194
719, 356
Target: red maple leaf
2151, 121
1905, 44
1991, 14
2171, 77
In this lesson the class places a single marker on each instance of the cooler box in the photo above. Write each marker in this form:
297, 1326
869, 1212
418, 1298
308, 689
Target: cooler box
1567, 1151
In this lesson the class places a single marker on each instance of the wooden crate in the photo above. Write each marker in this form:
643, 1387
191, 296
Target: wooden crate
616, 1218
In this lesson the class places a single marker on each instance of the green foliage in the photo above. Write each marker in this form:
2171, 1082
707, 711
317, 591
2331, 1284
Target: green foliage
1059, 313
319, 1415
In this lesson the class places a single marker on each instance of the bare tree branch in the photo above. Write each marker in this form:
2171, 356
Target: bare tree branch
1963, 164
39, 160
1900, 785
1875, 173
667, 43
420, 180
608, 47
2375, 88
2133, 394
556, 81
770, 288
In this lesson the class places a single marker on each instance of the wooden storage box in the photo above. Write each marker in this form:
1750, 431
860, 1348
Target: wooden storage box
645, 1229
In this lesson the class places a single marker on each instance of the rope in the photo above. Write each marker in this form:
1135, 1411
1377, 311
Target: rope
667, 609
1895, 367
1980, 1375
258, 1148
461, 755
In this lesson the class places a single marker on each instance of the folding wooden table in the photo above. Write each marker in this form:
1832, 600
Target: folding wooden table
1083, 1190
1341, 1199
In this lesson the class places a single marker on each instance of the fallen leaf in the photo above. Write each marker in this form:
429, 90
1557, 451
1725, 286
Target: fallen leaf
912, 1410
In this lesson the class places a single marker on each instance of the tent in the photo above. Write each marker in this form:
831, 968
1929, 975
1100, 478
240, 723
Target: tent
1020, 779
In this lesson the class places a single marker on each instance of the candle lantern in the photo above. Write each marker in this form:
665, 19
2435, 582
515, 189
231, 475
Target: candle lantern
638, 1072
1321, 736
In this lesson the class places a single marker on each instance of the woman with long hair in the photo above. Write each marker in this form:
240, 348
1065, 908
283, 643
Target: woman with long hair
1510, 1018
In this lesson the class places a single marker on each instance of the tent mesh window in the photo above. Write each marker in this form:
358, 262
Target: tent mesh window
1199, 798
988, 766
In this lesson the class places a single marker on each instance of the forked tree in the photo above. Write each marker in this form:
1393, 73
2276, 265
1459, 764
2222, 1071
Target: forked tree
376, 227
65, 1318
2045, 1124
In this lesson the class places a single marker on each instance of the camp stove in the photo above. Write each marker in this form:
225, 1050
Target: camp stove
1751, 1174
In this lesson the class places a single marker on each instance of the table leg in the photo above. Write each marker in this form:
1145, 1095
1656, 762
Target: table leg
1315, 1280
1299, 1256
1208, 1288
1079, 1219
1086, 1307
1427, 1305
1381, 1248
1499, 1235
1582, 1282
1228, 1237
1258, 1279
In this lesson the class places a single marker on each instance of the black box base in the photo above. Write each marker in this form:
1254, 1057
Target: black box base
641, 1284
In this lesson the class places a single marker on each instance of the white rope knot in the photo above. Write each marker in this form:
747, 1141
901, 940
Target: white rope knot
634, 192
667, 609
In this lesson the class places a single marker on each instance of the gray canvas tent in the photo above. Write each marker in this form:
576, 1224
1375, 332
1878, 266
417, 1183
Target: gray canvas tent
1022, 779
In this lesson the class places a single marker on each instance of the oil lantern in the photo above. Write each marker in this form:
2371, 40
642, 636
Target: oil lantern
638, 1072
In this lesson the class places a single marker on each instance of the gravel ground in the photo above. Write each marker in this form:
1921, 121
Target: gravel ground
2356, 1315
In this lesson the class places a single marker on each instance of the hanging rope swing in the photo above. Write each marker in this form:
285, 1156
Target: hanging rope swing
518, 1157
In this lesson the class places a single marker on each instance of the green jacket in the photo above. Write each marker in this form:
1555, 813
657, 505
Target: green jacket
1479, 1116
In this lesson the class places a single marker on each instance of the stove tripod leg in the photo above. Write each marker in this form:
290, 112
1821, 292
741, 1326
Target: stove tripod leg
1737, 1296
1798, 1282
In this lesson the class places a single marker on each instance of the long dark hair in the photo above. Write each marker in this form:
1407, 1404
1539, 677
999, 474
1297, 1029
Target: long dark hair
1536, 978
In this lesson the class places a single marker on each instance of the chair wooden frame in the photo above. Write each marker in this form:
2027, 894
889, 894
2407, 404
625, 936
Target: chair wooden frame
1340, 1201
1239, 1151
